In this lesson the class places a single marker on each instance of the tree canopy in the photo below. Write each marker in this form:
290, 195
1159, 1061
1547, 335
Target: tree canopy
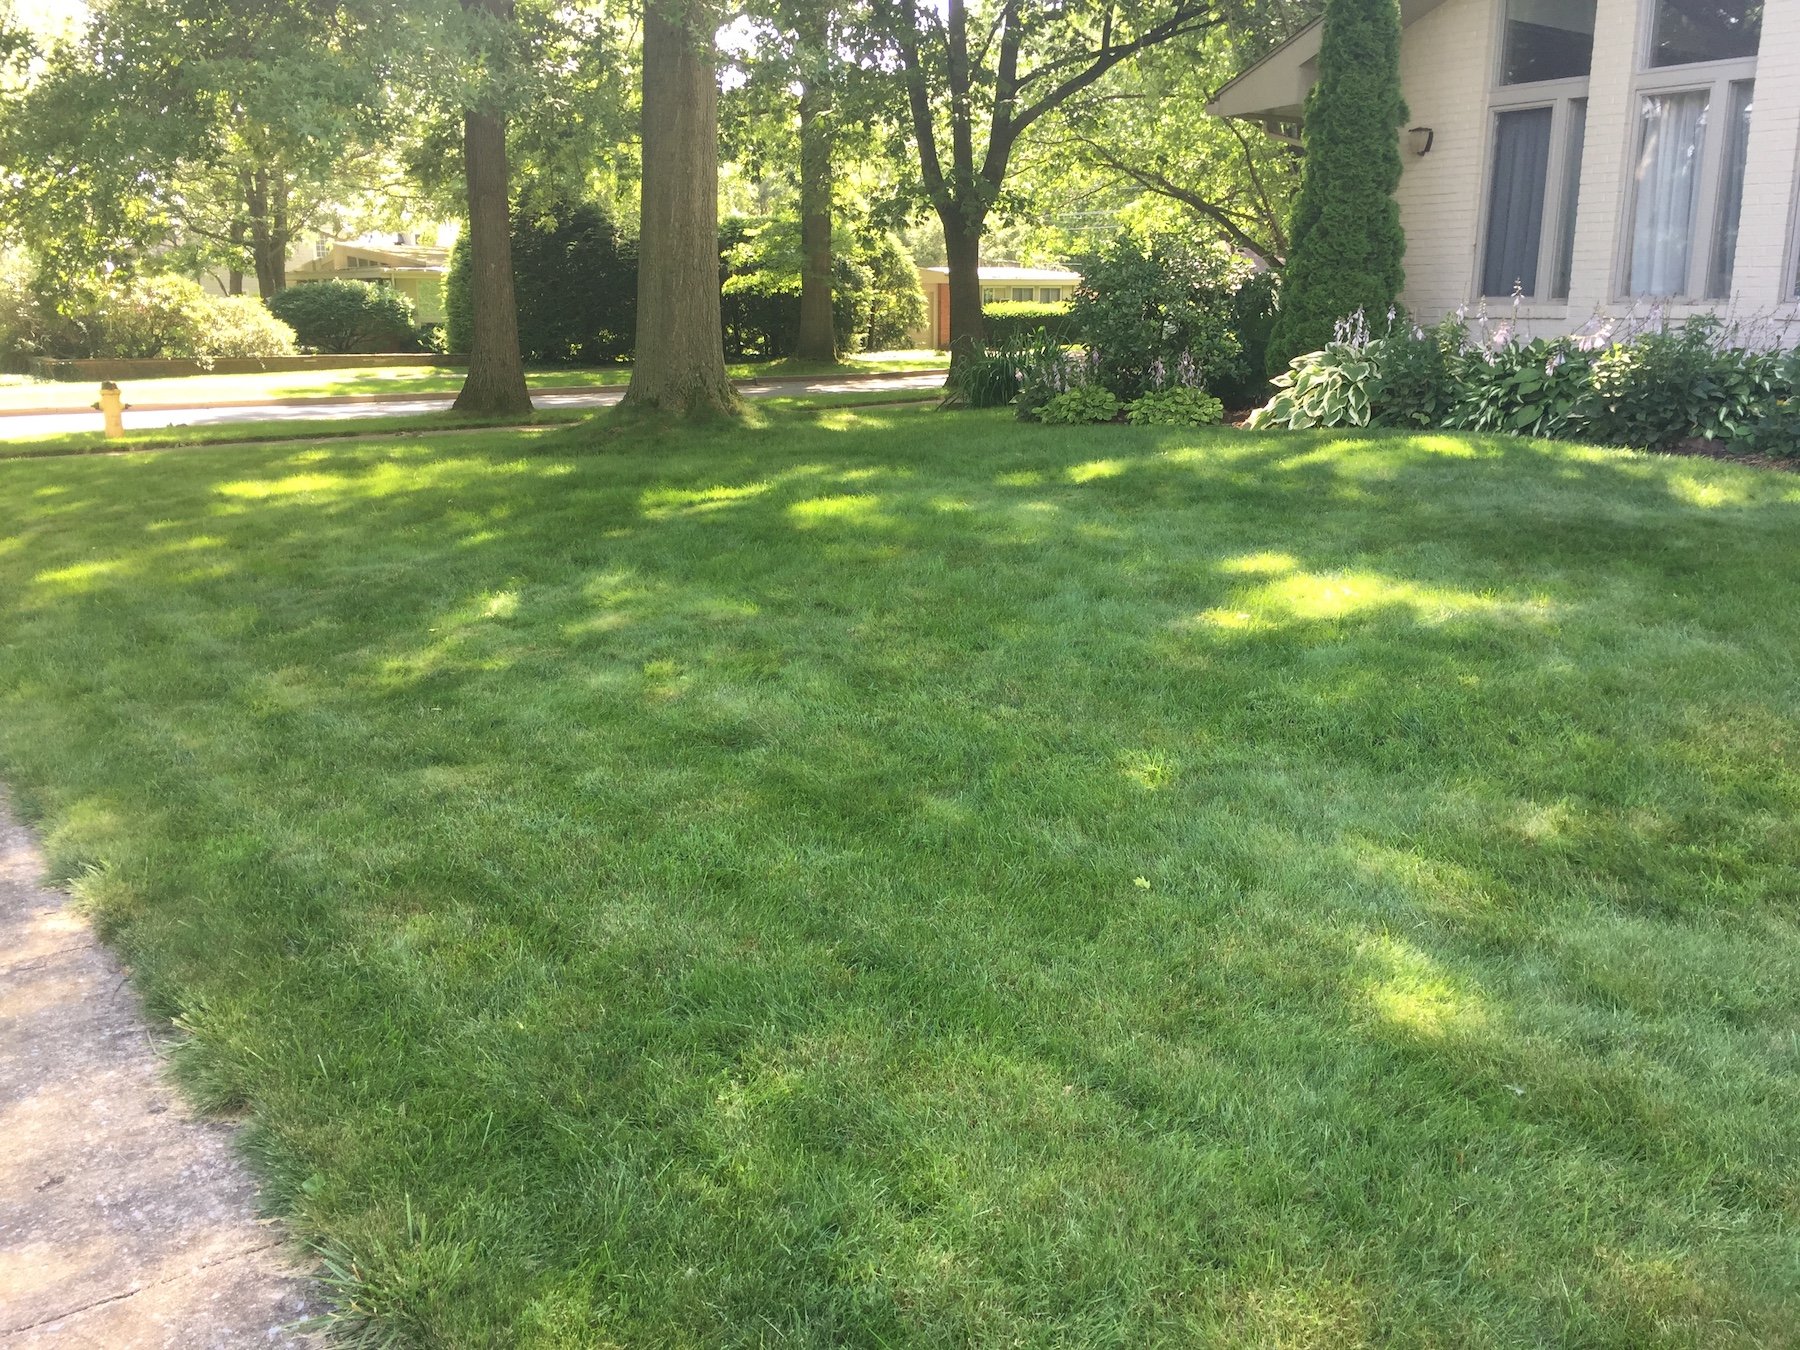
204, 139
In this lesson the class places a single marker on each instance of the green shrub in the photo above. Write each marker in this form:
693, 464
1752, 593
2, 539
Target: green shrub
150, 316
1417, 387
1177, 407
1140, 306
1025, 321
1538, 388
1347, 244
892, 307
1046, 368
239, 326
1252, 313
459, 303
1663, 388
575, 278
347, 316
1080, 406
990, 380
1775, 432
1332, 387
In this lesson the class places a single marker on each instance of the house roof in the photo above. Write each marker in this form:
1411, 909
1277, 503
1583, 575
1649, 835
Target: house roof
1045, 275
395, 258
1275, 88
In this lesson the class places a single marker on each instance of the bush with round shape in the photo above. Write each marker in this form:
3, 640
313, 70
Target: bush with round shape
1140, 306
340, 317
240, 326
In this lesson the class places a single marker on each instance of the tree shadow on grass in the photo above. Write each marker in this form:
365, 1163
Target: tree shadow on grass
943, 880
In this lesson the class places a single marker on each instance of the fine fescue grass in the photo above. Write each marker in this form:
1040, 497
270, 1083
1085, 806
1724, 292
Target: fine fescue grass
893, 878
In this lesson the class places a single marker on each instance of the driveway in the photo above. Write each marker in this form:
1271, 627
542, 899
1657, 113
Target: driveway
34, 426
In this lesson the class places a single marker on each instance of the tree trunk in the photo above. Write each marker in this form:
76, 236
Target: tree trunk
817, 340
962, 244
265, 209
234, 278
496, 379
679, 367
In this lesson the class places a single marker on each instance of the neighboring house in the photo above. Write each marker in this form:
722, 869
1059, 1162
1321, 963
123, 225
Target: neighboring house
416, 271
999, 285
1594, 155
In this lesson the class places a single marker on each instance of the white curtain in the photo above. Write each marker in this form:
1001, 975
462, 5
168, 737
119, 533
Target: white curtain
1673, 130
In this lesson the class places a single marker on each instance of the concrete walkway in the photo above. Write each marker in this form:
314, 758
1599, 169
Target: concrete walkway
33, 426
124, 1222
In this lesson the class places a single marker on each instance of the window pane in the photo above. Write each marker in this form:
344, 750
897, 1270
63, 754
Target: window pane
1547, 40
1565, 238
1516, 201
1705, 30
1672, 131
1050, 294
1731, 193
1022, 293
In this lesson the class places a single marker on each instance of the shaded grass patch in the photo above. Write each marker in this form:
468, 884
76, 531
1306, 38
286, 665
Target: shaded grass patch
867, 876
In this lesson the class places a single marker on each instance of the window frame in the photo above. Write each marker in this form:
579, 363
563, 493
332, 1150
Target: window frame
1715, 78
1560, 96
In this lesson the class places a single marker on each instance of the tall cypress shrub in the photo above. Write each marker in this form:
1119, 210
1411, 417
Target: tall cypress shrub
1346, 242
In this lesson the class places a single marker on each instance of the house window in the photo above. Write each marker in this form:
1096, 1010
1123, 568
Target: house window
1540, 125
1731, 191
1547, 40
1686, 32
989, 295
1693, 128
1023, 293
1050, 295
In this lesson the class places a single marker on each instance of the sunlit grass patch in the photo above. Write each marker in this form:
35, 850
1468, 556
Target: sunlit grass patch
867, 876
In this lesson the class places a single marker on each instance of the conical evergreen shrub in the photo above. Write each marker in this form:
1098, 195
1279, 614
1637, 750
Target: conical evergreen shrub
1346, 243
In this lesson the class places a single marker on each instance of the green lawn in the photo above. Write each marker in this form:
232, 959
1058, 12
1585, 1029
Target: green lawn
403, 380
904, 878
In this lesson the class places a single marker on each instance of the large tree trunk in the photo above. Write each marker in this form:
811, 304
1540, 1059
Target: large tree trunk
265, 206
679, 367
962, 244
496, 379
817, 339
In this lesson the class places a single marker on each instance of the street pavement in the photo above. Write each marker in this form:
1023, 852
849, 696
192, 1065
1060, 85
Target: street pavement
34, 426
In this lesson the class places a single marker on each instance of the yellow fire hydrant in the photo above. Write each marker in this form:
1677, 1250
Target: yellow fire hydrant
112, 407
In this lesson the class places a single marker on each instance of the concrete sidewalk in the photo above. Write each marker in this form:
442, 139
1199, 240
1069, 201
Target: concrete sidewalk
124, 1221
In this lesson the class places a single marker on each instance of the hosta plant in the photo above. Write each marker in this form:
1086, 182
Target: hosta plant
1180, 406
1332, 387
1079, 406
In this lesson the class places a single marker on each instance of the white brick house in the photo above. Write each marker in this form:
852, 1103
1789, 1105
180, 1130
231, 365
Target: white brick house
1595, 154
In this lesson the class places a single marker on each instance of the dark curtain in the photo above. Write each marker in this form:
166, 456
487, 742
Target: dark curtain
1516, 201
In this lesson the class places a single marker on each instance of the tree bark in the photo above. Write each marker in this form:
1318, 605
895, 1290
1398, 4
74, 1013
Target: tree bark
266, 215
962, 245
679, 366
817, 339
496, 379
